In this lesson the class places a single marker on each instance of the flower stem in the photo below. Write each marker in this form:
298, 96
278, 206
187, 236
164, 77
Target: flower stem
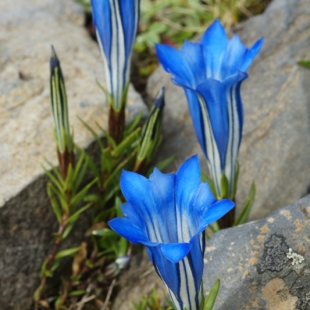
116, 123
228, 219
51, 259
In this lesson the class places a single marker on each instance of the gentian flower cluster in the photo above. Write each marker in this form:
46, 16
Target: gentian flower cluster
211, 73
168, 213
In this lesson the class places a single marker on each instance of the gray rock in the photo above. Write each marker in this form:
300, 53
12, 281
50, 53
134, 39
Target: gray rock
276, 137
28, 28
263, 264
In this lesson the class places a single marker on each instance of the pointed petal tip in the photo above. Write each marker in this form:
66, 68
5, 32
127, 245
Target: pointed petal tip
54, 61
160, 100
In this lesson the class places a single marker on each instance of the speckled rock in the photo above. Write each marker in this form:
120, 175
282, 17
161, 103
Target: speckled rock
28, 28
276, 137
263, 264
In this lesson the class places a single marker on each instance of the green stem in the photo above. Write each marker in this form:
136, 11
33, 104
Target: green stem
51, 259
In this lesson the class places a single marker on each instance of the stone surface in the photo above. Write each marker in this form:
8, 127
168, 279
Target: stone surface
28, 28
264, 264
276, 137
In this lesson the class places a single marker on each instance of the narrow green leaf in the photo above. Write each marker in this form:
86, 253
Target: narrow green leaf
106, 161
106, 134
67, 230
67, 252
132, 124
53, 179
56, 172
210, 300
122, 247
117, 170
62, 199
76, 215
92, 198
55, 264
70, 179
134, 136
82, 193
90, 163
304, 63
244, 214
105, 233
54, 203
95, 135
77, 293
43, 267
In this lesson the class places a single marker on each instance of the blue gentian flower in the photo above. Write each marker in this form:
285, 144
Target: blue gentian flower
211, 73
168, 213
116, 23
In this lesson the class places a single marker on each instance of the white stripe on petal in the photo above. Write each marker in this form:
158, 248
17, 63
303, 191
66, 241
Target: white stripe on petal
105, 65
233, 138
117, 55
213, 155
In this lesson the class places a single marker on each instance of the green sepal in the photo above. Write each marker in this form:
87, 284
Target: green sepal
235, 182
244, 214
224, 187
210, 299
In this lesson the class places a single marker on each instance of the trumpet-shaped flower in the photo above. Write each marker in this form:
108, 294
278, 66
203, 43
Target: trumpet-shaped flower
211, 73
168, 214
116, 23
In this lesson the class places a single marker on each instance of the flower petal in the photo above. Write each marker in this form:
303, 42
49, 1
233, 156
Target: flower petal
215, 43
187, 184
183, 65
204, 199
172, 61
251, 54
126, 229
163, 189
174, 252
235, 55
194, 108
138, 191
215, 212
